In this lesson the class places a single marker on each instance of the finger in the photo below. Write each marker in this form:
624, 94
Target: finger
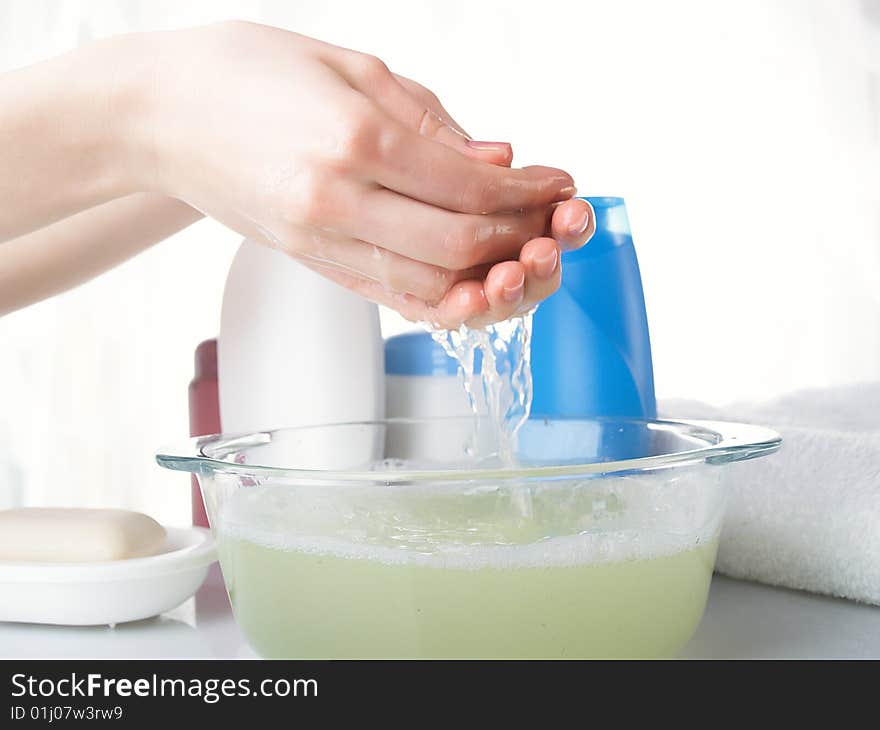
395, 273
421, 116
429, 99
541, 259
464, 301
370, 76
412, 105
416, 166
411, 161
510, 288
504, 287
419, 231
514, 288
573, 223
425, 233
496, 153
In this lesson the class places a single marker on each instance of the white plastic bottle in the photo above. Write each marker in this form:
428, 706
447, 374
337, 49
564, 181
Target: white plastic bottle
296, 349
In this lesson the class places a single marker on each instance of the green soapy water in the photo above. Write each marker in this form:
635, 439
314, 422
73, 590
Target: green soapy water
296, 602
513, 570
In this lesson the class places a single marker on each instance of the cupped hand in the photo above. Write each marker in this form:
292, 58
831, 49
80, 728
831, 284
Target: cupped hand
362, 175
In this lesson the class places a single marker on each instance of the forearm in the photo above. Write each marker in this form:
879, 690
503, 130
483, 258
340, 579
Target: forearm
65, 254
68, 129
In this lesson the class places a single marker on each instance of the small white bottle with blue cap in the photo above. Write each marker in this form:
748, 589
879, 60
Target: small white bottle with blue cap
422, 381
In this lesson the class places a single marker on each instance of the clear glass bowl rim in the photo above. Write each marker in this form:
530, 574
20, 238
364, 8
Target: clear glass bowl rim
726, 442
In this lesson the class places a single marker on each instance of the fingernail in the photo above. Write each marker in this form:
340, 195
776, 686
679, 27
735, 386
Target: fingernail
488, 146
579, 225
546, 265
567, 193
514, 293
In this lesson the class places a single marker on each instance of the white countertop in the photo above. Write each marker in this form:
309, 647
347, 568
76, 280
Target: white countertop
742, 620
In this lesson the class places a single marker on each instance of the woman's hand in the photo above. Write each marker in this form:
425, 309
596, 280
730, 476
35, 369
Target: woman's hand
360, 174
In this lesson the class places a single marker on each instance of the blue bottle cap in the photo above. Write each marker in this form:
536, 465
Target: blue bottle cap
612, 229
610, 214
416, 353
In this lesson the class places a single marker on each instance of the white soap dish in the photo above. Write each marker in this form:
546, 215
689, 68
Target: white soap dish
89, 594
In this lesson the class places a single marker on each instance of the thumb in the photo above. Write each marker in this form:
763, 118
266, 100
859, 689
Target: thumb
497, 153
416, 107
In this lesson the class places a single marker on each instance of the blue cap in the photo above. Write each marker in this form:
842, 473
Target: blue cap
416, 353
612, 230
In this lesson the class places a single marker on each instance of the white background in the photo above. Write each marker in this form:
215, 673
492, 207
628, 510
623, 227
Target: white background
744, 135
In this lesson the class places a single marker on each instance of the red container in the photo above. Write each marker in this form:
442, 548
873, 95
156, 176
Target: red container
204, 412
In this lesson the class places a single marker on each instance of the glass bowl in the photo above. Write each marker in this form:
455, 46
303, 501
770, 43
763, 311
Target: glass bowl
391, 539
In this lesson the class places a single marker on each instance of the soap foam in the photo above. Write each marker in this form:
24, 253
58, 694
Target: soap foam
566, 551
648, 517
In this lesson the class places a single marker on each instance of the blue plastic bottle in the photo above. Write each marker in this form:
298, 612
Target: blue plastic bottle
591, 354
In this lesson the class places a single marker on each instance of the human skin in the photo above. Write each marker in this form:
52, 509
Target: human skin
65, 254
316, 150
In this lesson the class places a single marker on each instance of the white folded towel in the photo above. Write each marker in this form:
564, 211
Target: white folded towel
807, 517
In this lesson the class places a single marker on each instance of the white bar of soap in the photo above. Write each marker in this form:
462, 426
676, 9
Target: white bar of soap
55, 535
